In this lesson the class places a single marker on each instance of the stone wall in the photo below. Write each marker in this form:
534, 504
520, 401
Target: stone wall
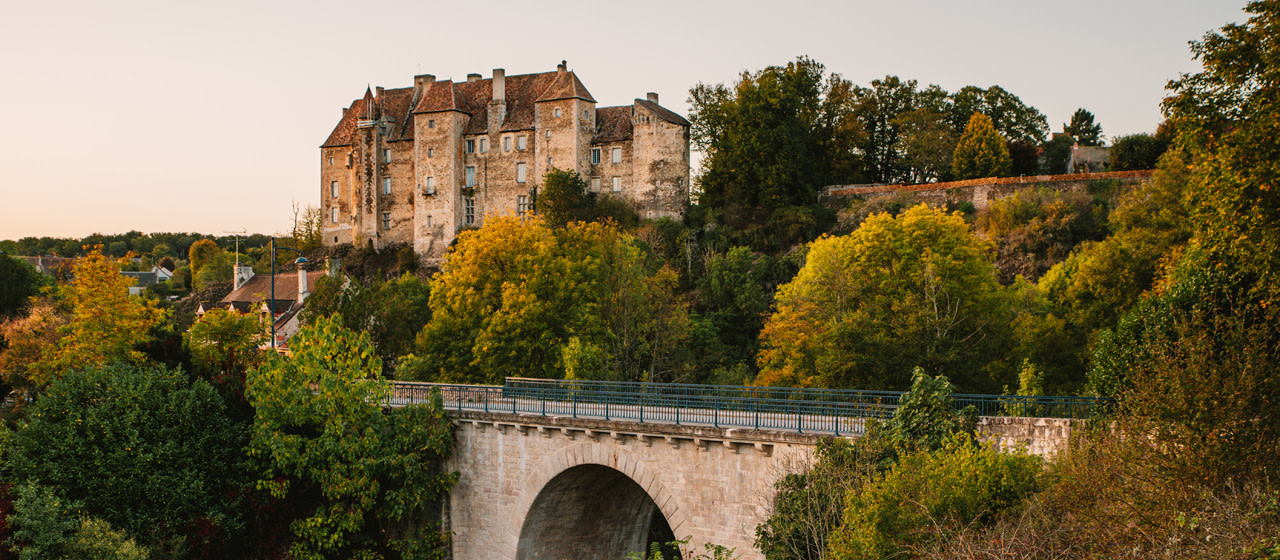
661, 168
980, 192
1039, 436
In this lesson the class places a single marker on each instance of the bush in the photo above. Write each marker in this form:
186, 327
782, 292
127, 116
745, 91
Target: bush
958, 485
1136, 151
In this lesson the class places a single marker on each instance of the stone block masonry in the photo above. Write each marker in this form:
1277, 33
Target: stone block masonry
534, 487
980, 192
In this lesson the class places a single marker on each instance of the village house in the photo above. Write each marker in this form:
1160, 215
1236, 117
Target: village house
252, 294
415, 165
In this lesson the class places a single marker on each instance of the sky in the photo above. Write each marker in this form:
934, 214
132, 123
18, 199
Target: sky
207, 116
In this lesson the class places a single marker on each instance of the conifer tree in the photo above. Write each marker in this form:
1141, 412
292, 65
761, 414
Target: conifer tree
982, 152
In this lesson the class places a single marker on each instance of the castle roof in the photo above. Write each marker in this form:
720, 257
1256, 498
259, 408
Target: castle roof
613, 124
475, 98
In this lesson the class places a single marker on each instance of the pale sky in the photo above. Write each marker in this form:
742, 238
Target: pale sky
207, 116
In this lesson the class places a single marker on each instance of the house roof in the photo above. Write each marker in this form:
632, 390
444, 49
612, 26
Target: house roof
566, 86
613, 124
258, 288
662, 112
142, 279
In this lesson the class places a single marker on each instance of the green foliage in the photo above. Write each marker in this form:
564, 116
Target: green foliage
1083, 129
918, 289
928, 143
734, 297
1009, 115
224, 344
512, 294
96, 540
1055, 154
563, 198
141, 448
43, 522
1036, 229
928, 493
202, 252
1228, 119
810, 507
1136, 151
392, 312
368, 475
981, 152
771, 141
19, 282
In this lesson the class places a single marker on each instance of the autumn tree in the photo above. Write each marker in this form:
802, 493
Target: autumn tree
1012, 118
106, 324
1136, 151
981, 151
512, 295
368, 476
202, 252
918, 289
1084, 129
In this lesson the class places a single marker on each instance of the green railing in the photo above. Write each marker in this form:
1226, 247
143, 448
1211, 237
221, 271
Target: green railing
825, 411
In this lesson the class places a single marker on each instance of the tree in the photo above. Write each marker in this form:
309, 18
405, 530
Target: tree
928, 144
142, 448
1009, 115
883, 111
224, 344
564, 197
107, 324
202, 252
25, 340
1227, 117
392, 312
1056, 154
918, 289
367, 475
1082, 127
981, 152
513, 294
18, 283
771, 140
1136, 151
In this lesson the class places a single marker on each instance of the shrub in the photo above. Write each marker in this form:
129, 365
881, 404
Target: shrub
953, 487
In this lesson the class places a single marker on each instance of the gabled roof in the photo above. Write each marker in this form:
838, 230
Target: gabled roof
440, 96
341, 135
566, 86
613, 124
258, 288
662, 112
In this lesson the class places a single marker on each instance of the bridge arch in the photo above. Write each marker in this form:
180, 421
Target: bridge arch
577, 472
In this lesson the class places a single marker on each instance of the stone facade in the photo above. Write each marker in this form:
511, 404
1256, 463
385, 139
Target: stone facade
418, 164
534, 488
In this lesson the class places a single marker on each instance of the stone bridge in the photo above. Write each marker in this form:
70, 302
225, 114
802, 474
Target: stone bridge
561, 482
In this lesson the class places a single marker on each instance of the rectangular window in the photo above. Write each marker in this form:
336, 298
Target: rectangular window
386, 156
549, 166
431, 185
333, 214
431, 123
431, 152
522, 204
428, 220
521, 142
470, 216
595, 184
617, 155
521, 172
595, 156
471, 146
386, 220
548, 134
617, 184
386, 185
333, 189
506, 143
471, 176
484, 145
330, 160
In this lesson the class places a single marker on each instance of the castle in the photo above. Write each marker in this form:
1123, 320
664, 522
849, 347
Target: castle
416, 165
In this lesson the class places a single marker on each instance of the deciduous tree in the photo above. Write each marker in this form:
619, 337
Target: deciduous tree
1084, 129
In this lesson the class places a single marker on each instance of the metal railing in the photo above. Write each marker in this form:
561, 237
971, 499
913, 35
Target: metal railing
828, 411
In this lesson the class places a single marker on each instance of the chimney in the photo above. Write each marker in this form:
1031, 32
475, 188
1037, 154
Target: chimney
302, 280
652, 97
344, 111
562, 67
473, 78
420, 84
377, 92
499, 85
240, 275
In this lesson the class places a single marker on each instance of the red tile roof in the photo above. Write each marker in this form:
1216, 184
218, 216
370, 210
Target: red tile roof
566, 86
613, 124
662, 112
258, 288
341, 135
